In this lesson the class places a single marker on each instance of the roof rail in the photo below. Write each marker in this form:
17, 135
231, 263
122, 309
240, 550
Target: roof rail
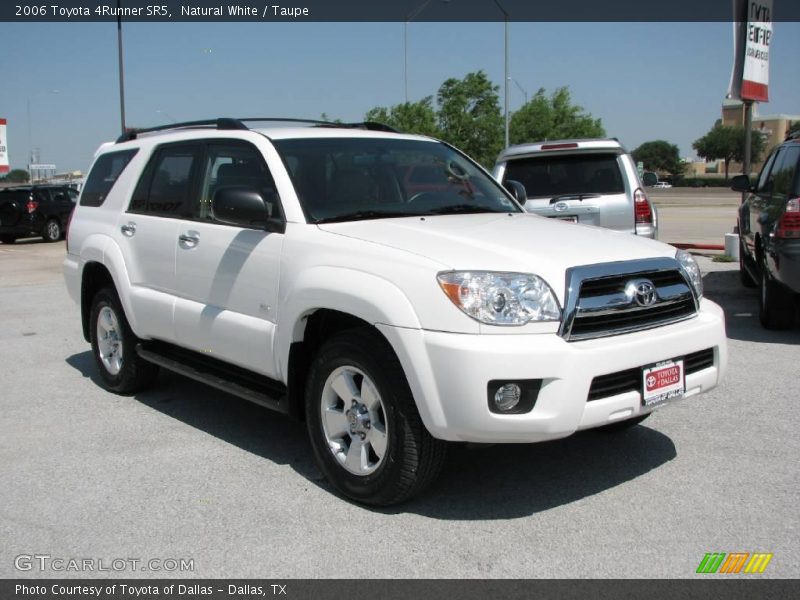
222, 123
225, 123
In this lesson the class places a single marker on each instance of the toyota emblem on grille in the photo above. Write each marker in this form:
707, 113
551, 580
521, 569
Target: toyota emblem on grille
641, 291
561, 206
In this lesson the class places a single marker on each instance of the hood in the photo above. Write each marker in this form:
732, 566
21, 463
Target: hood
517, 242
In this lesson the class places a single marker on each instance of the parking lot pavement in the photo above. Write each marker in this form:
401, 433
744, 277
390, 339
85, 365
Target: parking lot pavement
184, 471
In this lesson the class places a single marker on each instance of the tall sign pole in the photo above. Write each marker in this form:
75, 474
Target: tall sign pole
121, 69
750, 76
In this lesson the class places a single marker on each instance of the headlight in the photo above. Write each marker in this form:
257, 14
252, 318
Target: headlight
501, 298
692, 270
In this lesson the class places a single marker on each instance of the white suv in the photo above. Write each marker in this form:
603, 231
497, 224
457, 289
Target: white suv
383, 287
589, 181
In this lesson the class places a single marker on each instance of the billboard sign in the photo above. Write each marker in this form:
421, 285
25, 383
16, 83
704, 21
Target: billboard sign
3, 147
752, 32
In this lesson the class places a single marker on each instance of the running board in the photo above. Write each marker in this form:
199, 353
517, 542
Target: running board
216, 373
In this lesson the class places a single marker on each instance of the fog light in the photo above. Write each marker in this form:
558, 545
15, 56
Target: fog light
507, 396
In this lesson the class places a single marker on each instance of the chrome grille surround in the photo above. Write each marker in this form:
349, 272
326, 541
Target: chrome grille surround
596, 304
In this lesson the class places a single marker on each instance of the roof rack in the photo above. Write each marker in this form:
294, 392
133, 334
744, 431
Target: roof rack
225, 123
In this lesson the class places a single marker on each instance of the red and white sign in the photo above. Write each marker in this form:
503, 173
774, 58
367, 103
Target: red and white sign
757, 41
3, 147
663, 382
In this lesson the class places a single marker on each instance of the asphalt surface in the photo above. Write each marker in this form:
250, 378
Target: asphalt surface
186, 472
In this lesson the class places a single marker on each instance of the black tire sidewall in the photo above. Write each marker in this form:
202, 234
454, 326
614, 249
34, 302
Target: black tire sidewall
345, 351
124, 381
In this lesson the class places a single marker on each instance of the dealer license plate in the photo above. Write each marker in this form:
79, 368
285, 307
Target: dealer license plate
663, 382
567, 219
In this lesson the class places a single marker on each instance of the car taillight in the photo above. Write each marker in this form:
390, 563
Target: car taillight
642, 208
32, 206
789, 223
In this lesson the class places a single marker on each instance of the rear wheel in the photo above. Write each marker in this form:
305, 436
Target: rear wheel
52, 230
114, 346
8, 239
776, 307
367, 436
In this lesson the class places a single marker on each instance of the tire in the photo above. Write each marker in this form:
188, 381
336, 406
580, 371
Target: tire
52, 230
744, 275
8, 239
376, 450
114, 347
776, 308
623, 425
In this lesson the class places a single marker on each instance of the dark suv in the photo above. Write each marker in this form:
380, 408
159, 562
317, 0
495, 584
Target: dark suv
769, 234
38, 210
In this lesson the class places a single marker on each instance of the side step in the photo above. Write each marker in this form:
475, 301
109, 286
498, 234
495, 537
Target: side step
216, 373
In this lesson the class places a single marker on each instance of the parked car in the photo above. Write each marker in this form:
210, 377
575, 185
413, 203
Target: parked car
37, 210
769, 234
292, 267
662, 185
590, 181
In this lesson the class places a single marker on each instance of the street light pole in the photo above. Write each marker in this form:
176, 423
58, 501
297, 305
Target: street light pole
121, 69
506, 78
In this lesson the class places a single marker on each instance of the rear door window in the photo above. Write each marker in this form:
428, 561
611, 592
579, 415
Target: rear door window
104, 175
165, 188
783, 173
551, 176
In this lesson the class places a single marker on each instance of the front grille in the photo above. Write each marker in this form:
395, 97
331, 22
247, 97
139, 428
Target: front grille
630, 380
619, 322
601, 299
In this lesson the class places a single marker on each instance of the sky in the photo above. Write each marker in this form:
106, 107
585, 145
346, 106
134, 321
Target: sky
645, 81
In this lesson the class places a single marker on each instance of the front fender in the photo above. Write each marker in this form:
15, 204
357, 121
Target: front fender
363, 295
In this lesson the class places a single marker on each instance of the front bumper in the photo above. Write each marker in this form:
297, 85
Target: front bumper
448, 374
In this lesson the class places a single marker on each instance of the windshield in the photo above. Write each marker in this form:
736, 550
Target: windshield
347, 179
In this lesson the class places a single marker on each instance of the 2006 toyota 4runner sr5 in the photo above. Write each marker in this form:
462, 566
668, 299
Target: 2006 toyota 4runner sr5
380, 286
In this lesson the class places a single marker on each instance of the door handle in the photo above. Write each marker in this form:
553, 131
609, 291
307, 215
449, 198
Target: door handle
128, 229
188, 240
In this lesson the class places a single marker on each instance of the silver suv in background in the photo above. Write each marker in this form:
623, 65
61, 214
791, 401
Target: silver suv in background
591, 182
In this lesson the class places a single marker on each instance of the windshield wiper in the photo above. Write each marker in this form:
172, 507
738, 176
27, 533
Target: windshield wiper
580, 197
462, 209
363, 215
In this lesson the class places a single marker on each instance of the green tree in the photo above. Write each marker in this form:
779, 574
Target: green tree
470, 118
551, 118
17, 176
726, 142
409, 117
659, 155
793, 128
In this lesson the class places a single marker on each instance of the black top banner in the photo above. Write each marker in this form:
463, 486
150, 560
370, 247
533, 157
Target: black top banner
295, 11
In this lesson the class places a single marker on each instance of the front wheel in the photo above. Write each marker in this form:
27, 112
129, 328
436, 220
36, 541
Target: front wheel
114, 346
367, 436
8, 239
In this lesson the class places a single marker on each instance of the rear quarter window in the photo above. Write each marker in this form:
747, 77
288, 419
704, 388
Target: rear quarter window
104, 175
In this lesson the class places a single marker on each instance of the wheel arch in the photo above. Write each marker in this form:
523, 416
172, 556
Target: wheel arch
325, 302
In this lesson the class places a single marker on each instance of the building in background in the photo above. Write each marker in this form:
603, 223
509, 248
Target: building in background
773, 127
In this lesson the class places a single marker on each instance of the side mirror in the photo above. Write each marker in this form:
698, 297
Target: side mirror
517, 190
741, 183
245, 207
